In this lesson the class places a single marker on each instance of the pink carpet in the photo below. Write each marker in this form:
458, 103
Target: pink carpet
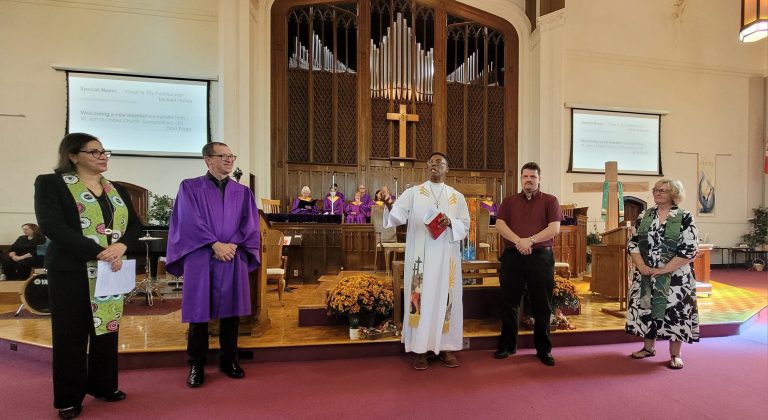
723, 378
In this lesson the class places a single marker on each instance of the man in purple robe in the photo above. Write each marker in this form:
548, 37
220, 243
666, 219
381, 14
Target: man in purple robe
213, 241
333, 203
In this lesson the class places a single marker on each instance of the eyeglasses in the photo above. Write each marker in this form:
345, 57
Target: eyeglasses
225, 157
437, 162
660, 190
98, 154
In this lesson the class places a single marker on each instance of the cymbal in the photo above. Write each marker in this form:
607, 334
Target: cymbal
149, 238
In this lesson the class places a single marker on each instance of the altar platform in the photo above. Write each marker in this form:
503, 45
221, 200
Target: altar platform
155, 337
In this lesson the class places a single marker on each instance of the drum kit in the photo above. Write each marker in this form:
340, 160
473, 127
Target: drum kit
34, 293
147, 285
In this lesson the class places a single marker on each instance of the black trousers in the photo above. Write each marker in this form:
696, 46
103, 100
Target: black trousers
197, 341
17, 270
83, 362
535, 273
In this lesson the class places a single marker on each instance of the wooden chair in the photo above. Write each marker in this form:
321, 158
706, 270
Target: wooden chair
568, 209
270, 206
386, 239
276, 263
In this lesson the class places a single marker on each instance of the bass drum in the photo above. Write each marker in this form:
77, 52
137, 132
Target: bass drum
35, 295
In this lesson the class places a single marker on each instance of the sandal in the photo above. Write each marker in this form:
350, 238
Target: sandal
642, 354
676, 362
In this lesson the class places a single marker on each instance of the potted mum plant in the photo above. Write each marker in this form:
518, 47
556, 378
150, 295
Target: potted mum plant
360, 297
564, 299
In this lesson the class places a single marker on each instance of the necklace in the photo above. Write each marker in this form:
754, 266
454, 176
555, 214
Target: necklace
437, 200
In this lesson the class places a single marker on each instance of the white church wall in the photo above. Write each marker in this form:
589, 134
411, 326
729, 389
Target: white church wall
159, 37
690, 64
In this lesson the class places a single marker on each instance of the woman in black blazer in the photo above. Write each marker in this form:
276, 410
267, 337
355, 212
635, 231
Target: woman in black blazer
87, 219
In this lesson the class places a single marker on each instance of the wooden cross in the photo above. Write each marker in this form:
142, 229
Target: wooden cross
403, 117
612, 177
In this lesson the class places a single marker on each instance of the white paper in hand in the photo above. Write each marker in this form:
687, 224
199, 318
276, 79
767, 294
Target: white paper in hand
110, 282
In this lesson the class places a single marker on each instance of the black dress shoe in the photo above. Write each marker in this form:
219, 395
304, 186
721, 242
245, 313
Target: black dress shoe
546, 358
115, 396
232, 369
71, 412
196, 375
503, 353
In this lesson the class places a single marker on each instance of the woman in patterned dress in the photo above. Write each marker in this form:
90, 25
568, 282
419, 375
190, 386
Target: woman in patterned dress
662, 297
87, 219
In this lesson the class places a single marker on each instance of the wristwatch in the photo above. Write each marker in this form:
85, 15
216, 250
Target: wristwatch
533, 240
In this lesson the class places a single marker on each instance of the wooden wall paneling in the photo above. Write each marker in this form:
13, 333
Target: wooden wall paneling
475, 115
511, 106
359, 245
565, 246
320, 251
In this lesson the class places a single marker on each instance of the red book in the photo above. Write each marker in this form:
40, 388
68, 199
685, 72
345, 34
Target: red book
434, 226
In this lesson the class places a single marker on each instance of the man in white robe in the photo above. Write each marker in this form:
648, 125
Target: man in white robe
434, 321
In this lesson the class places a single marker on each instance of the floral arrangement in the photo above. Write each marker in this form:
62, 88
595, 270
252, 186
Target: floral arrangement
564, 295
359, 294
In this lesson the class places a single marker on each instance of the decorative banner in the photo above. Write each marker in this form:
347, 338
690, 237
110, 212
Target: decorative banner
706, 187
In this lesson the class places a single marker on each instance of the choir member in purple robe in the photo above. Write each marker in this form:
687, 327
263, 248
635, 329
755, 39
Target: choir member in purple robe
304, 204
338, 192
490, 205
213, 241
365, 199
333, 203
354, 210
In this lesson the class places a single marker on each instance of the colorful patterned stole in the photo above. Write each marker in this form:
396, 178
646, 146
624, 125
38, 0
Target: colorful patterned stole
107, 310
417, 279
654, 291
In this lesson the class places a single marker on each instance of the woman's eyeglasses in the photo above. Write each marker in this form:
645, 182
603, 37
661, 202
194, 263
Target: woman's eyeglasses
660, 190
98, 154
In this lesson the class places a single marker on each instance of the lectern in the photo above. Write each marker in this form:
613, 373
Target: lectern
610, 267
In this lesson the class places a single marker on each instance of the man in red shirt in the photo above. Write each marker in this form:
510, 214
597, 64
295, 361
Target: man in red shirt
528, 222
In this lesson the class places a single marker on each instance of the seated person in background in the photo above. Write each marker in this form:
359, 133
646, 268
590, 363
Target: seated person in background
333, 203
355, 210
378, 198
304, 204
17, 265
489, 204
365, 199
338, 193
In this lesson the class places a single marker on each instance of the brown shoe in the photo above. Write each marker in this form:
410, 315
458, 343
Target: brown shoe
420, 363
449, 359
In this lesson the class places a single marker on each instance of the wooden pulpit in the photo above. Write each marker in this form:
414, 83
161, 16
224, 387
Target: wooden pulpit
610, 265
257, 280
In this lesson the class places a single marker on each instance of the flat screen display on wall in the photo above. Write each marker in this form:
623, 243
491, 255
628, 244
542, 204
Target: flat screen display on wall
140, 116
631, 139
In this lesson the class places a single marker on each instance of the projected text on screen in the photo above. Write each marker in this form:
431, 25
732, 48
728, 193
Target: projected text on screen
631, 139
140, 116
